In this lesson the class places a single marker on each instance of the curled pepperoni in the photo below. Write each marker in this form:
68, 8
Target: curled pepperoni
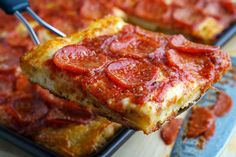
3, 98
170, 131
93, 9
26, 109
68, 115
210, 132
67, 111
213, 9
48, 97
222, 105
16, 40
78, 59
186, 16
9, 59
6, 83
200, 122
129, 73
198, 65
180, 43
23, 84
230, 5
133, 46
122, 43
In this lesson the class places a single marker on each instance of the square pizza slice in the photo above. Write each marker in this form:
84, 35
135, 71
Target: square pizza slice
127, 74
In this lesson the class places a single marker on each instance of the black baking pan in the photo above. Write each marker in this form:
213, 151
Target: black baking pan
113, 145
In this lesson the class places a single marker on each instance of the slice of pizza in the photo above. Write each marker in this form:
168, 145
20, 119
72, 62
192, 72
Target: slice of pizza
201, 20
130, 75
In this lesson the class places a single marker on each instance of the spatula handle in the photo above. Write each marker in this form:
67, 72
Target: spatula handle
11, 6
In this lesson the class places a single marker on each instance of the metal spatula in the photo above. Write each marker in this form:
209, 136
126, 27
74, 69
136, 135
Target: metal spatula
15, 7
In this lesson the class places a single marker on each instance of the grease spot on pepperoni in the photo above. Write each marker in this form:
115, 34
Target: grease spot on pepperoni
78, 59
200, 121
128, 73
180, 43
133, 46
222, 105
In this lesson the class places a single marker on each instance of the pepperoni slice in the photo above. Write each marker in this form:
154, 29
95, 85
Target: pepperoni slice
129, 73
6, 83
180, 43
200, 121
68, 110
133, 46
222, 105
3, 98
48, 97
69, 115
230, 5
26, 109
197, 65
186, 16
210, 132
170, 131
92, 9
122, 42
9, 59
213, 9
78, 59
17, 40
23, 84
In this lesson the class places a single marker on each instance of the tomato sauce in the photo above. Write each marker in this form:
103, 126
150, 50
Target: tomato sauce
136, 64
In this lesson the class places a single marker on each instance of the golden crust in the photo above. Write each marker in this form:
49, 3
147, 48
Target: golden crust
107, 26
78, 140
